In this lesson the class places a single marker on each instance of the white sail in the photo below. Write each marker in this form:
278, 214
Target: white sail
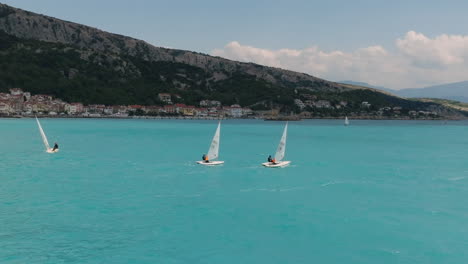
346, 122
44, 138
214, 147
280, 151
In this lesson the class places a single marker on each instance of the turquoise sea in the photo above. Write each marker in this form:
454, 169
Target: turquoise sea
129, 191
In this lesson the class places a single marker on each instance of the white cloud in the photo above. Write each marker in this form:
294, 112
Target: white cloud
417, 61
443, 50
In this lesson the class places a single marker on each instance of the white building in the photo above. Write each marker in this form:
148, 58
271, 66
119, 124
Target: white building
233, 111
16, 91
74, 108
165, 97
365, 104
246, 111
4, 108
108, 110
28, 108
27, 95
210, 103
201, 112
322, 104
299, 103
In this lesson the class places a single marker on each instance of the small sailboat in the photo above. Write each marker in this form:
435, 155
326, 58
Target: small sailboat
280, 152
213, 152
346, 122
44, 139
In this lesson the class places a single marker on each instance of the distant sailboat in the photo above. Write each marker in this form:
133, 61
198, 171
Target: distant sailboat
44, 139
213, 152
280, 153
346, 122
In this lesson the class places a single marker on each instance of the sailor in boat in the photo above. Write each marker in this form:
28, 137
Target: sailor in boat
271, 160
205, 158
55, 146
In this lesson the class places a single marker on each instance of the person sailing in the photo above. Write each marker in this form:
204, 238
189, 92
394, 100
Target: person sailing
55, 147
205, 158
271, 160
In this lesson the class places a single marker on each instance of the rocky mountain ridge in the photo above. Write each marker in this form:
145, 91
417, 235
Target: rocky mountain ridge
28, 25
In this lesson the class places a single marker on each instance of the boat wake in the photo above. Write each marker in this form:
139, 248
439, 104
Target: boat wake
272, 189
177, 195
332, 183
457, 178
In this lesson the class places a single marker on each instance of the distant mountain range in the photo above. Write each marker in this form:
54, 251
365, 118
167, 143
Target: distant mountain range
452, 91
364, 84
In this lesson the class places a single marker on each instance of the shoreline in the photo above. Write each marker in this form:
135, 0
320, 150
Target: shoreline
231, 118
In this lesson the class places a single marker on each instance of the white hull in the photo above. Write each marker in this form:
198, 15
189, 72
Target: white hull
280, 164
210, 163
52, 151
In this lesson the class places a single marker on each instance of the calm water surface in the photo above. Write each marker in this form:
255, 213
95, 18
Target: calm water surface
129, 191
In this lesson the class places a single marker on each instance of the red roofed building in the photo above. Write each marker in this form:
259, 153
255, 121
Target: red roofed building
154, 109
135, 107
4, 96
78, 107
170, 109
201, 112
4, 107
179, 108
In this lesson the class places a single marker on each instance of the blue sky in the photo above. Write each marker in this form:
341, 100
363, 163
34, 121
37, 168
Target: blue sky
203, 25
209, 25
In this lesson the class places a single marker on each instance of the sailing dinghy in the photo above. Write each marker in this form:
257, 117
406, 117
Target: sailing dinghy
213, 152
346, 122
44, 139
280, 152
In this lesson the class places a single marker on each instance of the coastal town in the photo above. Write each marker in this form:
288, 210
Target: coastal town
19, 103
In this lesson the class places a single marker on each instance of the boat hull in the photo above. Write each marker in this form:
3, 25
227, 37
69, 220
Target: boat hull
276, 165
211, 163
52, 151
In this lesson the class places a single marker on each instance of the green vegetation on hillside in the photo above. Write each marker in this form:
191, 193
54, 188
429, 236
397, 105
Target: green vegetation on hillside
92, 77
47, 68
60, 70
448, 103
